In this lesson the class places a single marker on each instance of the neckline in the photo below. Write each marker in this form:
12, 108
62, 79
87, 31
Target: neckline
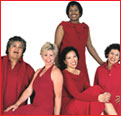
45, 71
75, 23
73, 73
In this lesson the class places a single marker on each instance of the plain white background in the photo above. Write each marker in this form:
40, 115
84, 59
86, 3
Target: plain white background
36, 22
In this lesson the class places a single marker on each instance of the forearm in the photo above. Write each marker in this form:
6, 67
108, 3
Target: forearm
26, 94
110, 110
57, 107
95, 55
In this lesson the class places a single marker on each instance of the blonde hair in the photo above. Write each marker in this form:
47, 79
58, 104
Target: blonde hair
49, 46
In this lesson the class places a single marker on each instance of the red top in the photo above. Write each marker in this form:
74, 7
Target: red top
75, 86
109, 80
14, 81
76, 35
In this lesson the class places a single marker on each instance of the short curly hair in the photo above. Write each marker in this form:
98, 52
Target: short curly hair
72, 3
14, 39
110, 47
63, 56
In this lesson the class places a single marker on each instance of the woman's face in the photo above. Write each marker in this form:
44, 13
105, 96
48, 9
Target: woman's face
74, 13
113, 56
48, 57
16, 50
71, 59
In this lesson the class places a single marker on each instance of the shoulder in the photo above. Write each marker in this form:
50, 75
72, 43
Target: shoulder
62, 25
56, 70
29, 67
56, 74
4, 58
100, 68
85, 25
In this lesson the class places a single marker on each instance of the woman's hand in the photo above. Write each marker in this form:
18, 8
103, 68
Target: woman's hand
12, 107
117, 100
105, 97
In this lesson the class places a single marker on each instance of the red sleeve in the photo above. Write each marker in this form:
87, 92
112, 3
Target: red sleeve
91, 94
30, 73
96, 78
86, 82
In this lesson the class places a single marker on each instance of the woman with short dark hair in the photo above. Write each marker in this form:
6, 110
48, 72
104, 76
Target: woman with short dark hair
16, 74
76, 34
108, 75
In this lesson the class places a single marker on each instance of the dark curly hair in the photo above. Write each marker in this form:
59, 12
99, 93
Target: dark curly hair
72, 3
110, 47
63, 56
13, 39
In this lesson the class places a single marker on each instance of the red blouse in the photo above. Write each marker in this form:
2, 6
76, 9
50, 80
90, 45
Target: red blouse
109, 80
14, 81
77, 87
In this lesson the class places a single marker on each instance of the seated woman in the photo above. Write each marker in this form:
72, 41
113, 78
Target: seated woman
78, 97
15, 73
108, 76
47, 84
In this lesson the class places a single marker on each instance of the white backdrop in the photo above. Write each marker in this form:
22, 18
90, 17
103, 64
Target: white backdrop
36, 22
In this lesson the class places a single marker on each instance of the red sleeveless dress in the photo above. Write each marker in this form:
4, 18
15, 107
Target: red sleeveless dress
76, 35
43, 103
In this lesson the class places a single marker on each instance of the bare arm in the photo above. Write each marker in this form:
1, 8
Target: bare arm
27, 93
59, 36
57, 79
92, 51
110, 109
58, 39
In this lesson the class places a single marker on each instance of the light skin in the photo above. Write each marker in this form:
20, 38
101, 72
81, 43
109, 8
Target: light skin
113, 57
15, 52
71, 62
57, 79
74, 16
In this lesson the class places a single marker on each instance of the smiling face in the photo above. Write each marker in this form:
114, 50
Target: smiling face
74, 13
15, 51
113, 56
48, 57
71, 60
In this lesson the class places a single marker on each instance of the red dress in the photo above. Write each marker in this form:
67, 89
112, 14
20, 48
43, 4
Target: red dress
76, 35
110, 82
43, 103
77, 99
14, 82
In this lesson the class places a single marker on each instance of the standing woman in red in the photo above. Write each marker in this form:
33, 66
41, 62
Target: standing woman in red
108, 75
16, 74
47, 84
76, 34
78, 97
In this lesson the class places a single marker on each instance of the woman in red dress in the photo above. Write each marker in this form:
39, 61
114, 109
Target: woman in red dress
108, 75
16, 74
47, 84
78, 97
76, 34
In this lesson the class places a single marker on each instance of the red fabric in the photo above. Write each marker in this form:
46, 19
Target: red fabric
109, 81
43, 103
76, 35
78, 97
14, 82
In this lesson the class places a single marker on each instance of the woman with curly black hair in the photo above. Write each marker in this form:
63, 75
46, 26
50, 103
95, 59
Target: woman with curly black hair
108, 75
